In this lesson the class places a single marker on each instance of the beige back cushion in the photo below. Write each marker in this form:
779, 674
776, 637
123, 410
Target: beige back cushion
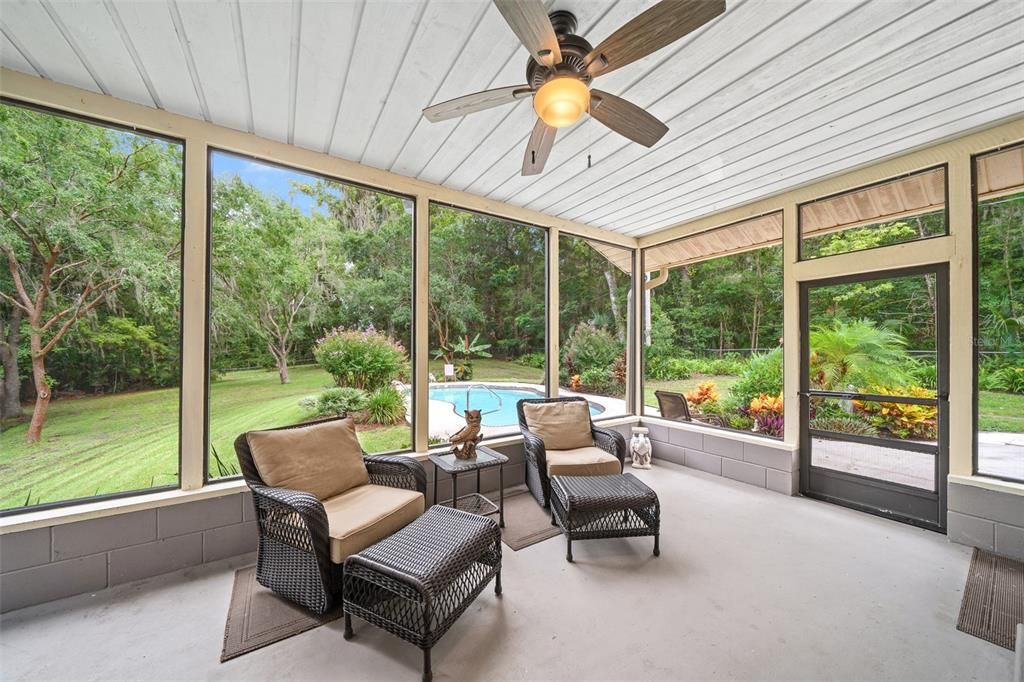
561, 425
322, 459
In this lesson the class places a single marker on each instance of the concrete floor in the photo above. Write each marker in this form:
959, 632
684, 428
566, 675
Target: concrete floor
749, 585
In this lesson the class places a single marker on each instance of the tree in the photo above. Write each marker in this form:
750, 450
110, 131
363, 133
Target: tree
270, 260
79, 204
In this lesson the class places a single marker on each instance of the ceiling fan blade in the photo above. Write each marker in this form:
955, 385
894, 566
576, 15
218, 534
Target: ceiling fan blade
626, 118
478, 101
538, 148
649, 31
529, 21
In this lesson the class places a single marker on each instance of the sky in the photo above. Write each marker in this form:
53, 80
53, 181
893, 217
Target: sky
269, 179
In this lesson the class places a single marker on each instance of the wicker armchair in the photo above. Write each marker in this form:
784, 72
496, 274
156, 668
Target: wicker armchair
539, 468
295, 543
673, 406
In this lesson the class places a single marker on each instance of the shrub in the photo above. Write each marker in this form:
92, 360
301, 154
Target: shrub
597, 379
668, 369
367, 360
336, 401
923, 373
535, 360
901, 419
851, 425
762, 375
740, 422
590, 347
727, 365
1009, 379
385, 406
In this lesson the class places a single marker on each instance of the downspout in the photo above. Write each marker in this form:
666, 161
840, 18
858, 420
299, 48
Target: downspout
651, 283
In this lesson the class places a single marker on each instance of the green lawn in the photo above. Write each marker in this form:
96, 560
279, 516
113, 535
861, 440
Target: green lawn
1001, 412
129, 441
723, 382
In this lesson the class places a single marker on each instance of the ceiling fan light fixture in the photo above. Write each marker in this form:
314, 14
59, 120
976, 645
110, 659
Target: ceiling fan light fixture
561, 101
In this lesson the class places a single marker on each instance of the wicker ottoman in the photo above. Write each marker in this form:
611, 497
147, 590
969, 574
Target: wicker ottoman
591, 507
416, 583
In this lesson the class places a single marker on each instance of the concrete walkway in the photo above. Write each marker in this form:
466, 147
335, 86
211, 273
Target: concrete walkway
750, 585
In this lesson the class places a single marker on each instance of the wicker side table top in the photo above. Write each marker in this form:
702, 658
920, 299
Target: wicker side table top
437, 547
616, 491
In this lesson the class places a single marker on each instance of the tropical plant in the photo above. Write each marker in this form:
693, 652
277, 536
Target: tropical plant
767, 413
462, 349
385, 406
336, 401
705, 395
858, 354
848, 424
367, 360
903, 420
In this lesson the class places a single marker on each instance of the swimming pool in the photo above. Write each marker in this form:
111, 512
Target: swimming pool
496, 402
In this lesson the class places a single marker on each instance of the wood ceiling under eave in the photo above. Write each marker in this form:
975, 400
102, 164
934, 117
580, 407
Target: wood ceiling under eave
998, 174
773, 94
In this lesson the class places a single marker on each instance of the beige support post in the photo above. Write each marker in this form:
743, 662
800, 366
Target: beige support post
790, 327
638, 334
421, 325
193, 319
551, 366
961, 314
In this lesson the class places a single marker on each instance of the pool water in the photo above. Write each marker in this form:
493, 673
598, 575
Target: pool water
498, 404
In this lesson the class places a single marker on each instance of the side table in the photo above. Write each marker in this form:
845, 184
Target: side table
475, 503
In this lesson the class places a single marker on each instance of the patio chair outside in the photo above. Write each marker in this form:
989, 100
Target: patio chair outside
673, 406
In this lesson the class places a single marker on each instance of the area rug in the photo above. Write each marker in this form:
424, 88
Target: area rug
258, 617
526, 522
993, 601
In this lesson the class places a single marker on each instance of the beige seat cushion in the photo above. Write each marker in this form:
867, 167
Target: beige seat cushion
589, 461
322, 459
561, 425
362, 516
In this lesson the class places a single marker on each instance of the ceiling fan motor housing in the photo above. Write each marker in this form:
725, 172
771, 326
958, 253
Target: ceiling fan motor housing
574, 53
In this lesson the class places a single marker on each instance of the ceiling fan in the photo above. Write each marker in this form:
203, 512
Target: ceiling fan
562, 66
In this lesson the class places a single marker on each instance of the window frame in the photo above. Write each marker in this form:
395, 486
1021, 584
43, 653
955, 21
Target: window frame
181, 142
976, 317
546, 231
641, 409
212, 149
630, 410
944, 167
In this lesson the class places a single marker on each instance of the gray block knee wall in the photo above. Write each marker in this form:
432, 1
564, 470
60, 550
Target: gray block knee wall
765, 465
43, 564
988, 519
49, 563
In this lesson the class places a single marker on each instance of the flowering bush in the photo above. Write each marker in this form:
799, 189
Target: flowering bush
902, 420
367, 360
766, 411
704, 396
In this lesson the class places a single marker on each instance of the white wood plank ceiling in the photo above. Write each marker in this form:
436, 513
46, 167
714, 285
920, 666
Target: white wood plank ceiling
773, 94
